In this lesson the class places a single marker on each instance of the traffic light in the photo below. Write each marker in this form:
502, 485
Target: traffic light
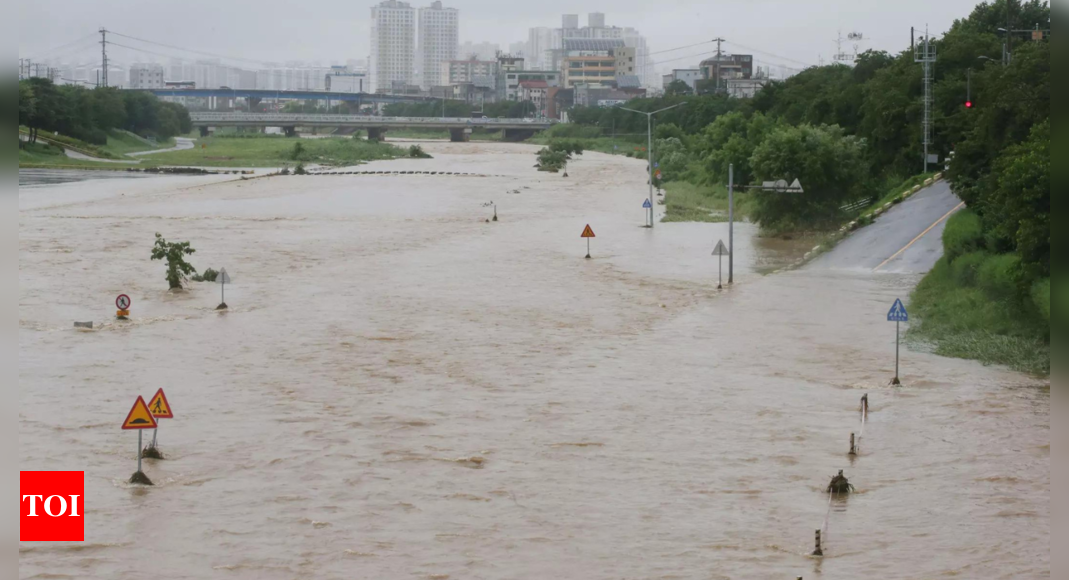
968, 104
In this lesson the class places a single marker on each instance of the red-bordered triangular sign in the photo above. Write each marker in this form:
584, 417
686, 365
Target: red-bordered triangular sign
587, 232
139, 417
159, 407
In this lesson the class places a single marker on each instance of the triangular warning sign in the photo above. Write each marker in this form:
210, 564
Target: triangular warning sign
139, 417
646, 204
159, 407
721, 249
587, 232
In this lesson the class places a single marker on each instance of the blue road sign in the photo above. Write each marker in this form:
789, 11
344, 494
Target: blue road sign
898, 313
646, 204
656, 165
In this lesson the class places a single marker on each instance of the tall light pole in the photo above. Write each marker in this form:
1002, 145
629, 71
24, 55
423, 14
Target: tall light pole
649, 148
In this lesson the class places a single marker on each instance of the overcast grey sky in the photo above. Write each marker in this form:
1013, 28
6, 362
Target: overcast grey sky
332, 31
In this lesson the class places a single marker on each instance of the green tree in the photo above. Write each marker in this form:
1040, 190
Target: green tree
109, 109
50, 111
830, 166
1017, 207
678, 88
174, 254
27, 104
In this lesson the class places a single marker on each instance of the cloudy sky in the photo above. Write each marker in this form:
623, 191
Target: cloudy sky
789, 32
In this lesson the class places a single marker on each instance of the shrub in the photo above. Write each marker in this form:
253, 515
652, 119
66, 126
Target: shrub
963, 234
965, 270
210, 275
417, 152
998, 276
1041, 297
300, 170
174, 254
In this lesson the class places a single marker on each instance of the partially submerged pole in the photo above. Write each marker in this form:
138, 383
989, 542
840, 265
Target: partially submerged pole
853, 445
819, 551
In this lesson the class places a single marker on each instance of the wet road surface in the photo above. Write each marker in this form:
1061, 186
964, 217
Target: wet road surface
905, 239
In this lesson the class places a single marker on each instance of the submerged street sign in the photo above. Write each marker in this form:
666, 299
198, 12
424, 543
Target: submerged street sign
898, 313
720, 249
159, 407
139, 417
647, 205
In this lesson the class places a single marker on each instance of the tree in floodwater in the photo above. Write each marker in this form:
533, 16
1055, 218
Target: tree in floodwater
174, 254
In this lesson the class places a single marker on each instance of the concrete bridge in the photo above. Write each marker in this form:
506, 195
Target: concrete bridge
459, 128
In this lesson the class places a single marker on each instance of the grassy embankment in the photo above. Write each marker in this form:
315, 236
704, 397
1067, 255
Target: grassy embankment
276, 151
971, 305
48, 151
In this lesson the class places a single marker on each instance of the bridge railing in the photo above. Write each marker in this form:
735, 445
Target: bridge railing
283, 119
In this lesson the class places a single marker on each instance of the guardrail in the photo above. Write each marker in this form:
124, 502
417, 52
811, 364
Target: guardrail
282, 120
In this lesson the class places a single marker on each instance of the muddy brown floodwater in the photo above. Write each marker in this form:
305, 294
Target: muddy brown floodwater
401, 390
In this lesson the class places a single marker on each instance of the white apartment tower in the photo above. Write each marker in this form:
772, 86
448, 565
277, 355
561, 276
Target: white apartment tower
393, 44
439, 40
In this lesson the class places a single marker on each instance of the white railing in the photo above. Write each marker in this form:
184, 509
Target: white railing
297, 119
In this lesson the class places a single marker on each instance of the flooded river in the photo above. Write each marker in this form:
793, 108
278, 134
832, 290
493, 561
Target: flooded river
403, 390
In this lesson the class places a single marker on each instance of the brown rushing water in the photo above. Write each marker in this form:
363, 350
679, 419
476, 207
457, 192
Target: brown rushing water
401, 390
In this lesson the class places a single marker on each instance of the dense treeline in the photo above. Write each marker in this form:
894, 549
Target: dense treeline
866, 120
88, 114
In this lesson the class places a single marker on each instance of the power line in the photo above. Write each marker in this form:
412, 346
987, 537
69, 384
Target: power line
769, 54
41, 55
680, 48
201, 53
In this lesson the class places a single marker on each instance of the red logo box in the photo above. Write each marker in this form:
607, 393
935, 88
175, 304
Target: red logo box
52, 506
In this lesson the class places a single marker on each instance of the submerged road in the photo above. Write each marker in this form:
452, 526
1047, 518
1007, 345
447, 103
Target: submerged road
906, 239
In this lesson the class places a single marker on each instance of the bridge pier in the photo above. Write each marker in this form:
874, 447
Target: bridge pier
516, 135
377, 134
290, 131
460, 134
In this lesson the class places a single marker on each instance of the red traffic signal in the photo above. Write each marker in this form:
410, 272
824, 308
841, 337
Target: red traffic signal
968, 104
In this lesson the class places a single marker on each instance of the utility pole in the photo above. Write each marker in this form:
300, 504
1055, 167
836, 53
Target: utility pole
925, 54
719, 55
104, 56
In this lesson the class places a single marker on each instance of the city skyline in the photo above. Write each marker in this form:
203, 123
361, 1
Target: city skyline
241, 33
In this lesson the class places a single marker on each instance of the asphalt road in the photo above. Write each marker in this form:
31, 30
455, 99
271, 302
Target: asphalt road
906, 239
180, 144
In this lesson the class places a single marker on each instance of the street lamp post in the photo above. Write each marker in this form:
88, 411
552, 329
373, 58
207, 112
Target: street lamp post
774, 186
649, 148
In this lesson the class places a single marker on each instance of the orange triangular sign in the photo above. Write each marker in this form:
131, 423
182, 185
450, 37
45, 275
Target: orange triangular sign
159, 407
139, 417
588, 233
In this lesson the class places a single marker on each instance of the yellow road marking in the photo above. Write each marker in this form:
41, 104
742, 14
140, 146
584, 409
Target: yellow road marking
918, 238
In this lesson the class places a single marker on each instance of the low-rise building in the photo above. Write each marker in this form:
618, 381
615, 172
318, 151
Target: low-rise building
691, 76
744, 88
723, 67
347, 82
513, 80
146, 76
457, 72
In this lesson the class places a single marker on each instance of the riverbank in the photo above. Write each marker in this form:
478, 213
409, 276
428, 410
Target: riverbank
276, 151
970, 306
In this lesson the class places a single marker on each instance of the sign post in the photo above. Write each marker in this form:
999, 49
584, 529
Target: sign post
224, 279
646, 205
898, 315
122, 303
139, 419
588, 233
159, 408
721, 250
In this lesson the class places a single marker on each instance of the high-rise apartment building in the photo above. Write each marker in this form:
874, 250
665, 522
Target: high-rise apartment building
439, 41
393, 45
